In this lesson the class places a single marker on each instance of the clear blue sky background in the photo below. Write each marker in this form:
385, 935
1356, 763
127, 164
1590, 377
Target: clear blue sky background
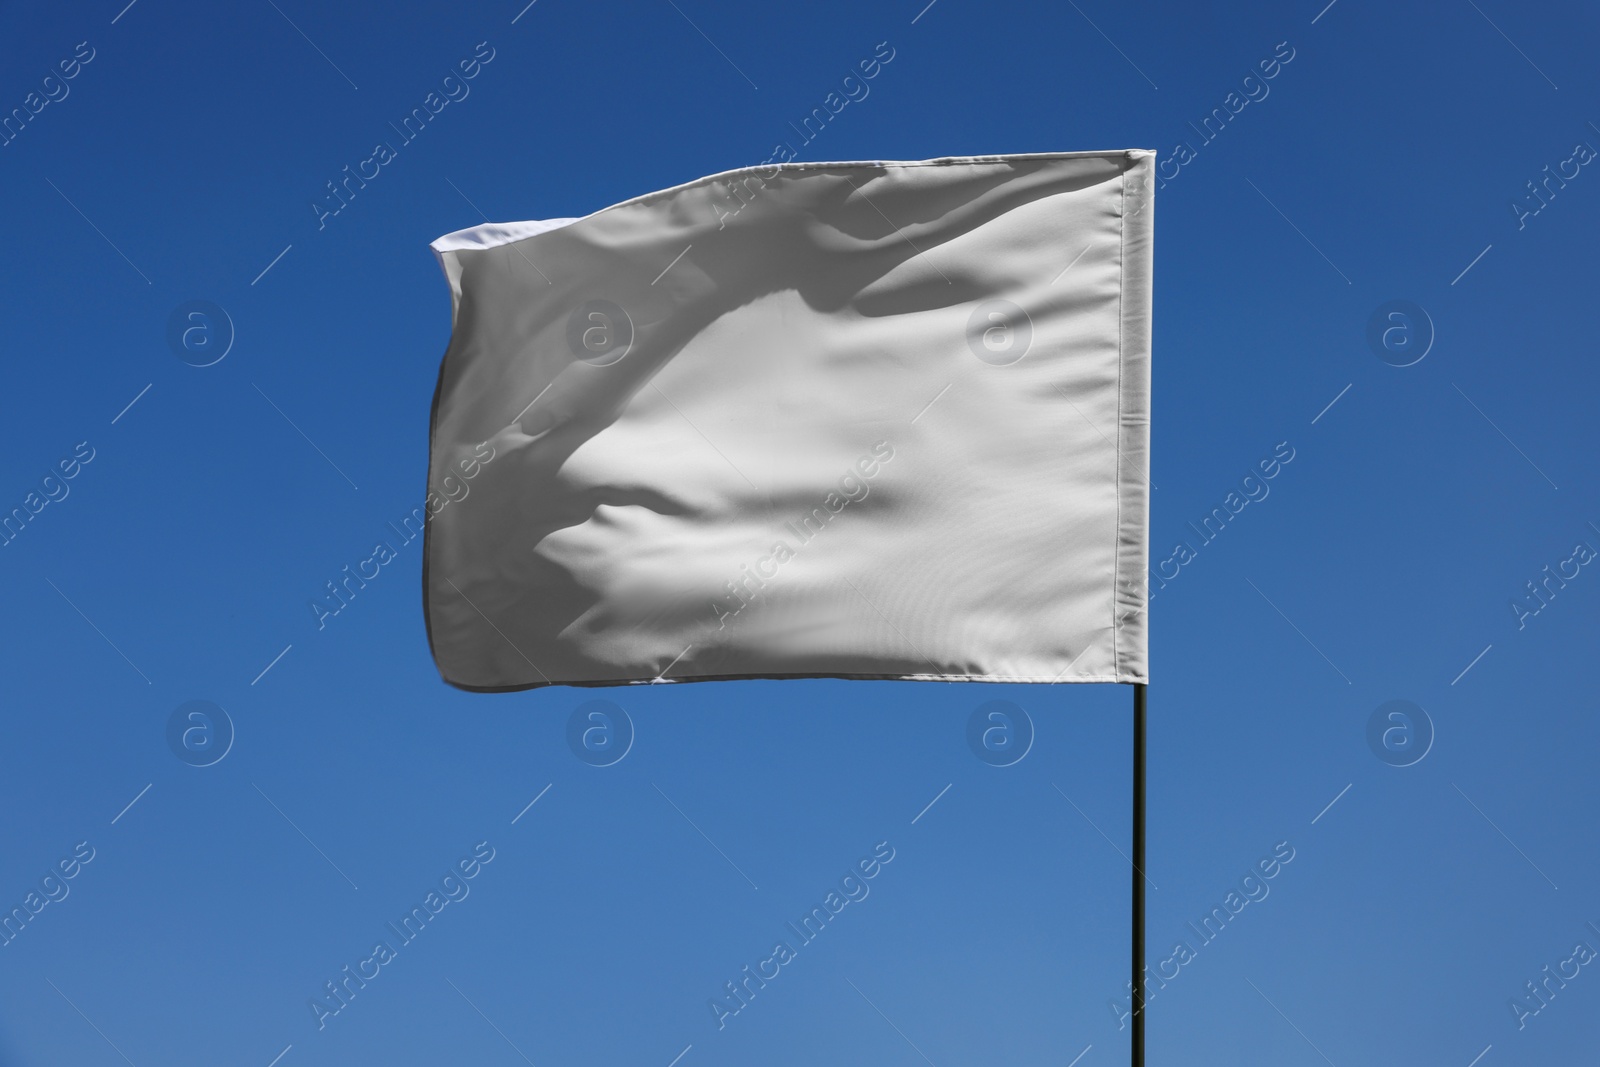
1382, 163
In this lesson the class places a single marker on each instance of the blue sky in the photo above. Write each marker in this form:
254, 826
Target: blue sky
1387, 158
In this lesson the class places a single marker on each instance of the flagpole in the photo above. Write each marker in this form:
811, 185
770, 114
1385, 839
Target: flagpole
1138, 874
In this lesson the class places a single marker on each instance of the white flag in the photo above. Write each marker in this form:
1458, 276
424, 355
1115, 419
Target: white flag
859, 420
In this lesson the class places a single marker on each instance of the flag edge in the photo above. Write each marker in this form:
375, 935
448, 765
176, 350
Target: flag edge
460, 241
1123, 678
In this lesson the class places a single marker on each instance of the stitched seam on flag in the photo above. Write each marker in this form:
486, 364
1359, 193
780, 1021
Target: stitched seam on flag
581, 683
868, 164
1009, 679
771, 171
1122, 306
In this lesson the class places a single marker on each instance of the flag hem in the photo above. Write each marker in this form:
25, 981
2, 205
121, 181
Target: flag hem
1099, 679
494, 234
1130, 593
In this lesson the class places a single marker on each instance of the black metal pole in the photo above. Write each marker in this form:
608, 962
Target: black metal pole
1138, 874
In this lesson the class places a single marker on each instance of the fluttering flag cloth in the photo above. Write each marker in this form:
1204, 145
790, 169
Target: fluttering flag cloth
858, 420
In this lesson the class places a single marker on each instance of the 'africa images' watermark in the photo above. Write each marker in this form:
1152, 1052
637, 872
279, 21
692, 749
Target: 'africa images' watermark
1551, 582
599, 732
1400, 332
453, 888
853, 88
53, 489
451, 490
1253, 487
1400, 733
853, 889
200, 332
53, 89
1253, 888
1541, 194
200, 733
1539, 995
853, 487
52, 889
1254, 89
452, 89
999, 733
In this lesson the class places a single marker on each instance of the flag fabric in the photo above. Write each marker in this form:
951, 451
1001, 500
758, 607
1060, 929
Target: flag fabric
856, 420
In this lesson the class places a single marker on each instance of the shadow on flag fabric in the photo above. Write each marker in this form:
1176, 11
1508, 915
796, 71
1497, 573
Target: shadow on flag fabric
855, 420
